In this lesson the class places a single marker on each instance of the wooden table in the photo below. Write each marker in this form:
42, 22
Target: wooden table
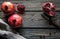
33, 22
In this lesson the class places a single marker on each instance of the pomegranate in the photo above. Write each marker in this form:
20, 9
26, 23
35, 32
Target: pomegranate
51, 13
15, 21
20, 8
49, 8
7, 8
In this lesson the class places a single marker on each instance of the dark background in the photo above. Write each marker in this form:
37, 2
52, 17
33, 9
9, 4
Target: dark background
34, 25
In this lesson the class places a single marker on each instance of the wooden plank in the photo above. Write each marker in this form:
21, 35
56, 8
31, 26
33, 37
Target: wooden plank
35, 4
34, 20
36, 33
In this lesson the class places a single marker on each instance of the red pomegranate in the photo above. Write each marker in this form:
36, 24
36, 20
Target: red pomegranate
49, 8
7, 8
15, 21
20, 8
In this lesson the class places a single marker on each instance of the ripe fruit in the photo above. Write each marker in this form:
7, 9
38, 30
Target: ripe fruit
52, 13
15, 20
49, 8
7, 8
20, 8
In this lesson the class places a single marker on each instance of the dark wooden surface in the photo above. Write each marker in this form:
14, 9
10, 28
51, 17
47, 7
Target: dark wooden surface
34, 25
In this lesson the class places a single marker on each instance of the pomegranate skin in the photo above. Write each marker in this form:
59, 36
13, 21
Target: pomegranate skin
49, 8
7, 8
15, 21
20, 8
51, 13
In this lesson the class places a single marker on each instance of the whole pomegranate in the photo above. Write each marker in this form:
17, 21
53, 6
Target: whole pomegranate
49, 8
7, 8
15, 21
20, 8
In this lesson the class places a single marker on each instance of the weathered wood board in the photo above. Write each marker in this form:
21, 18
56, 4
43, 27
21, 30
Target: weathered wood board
33, 23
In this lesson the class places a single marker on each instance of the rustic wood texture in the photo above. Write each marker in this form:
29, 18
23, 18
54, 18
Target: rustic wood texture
34, 25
